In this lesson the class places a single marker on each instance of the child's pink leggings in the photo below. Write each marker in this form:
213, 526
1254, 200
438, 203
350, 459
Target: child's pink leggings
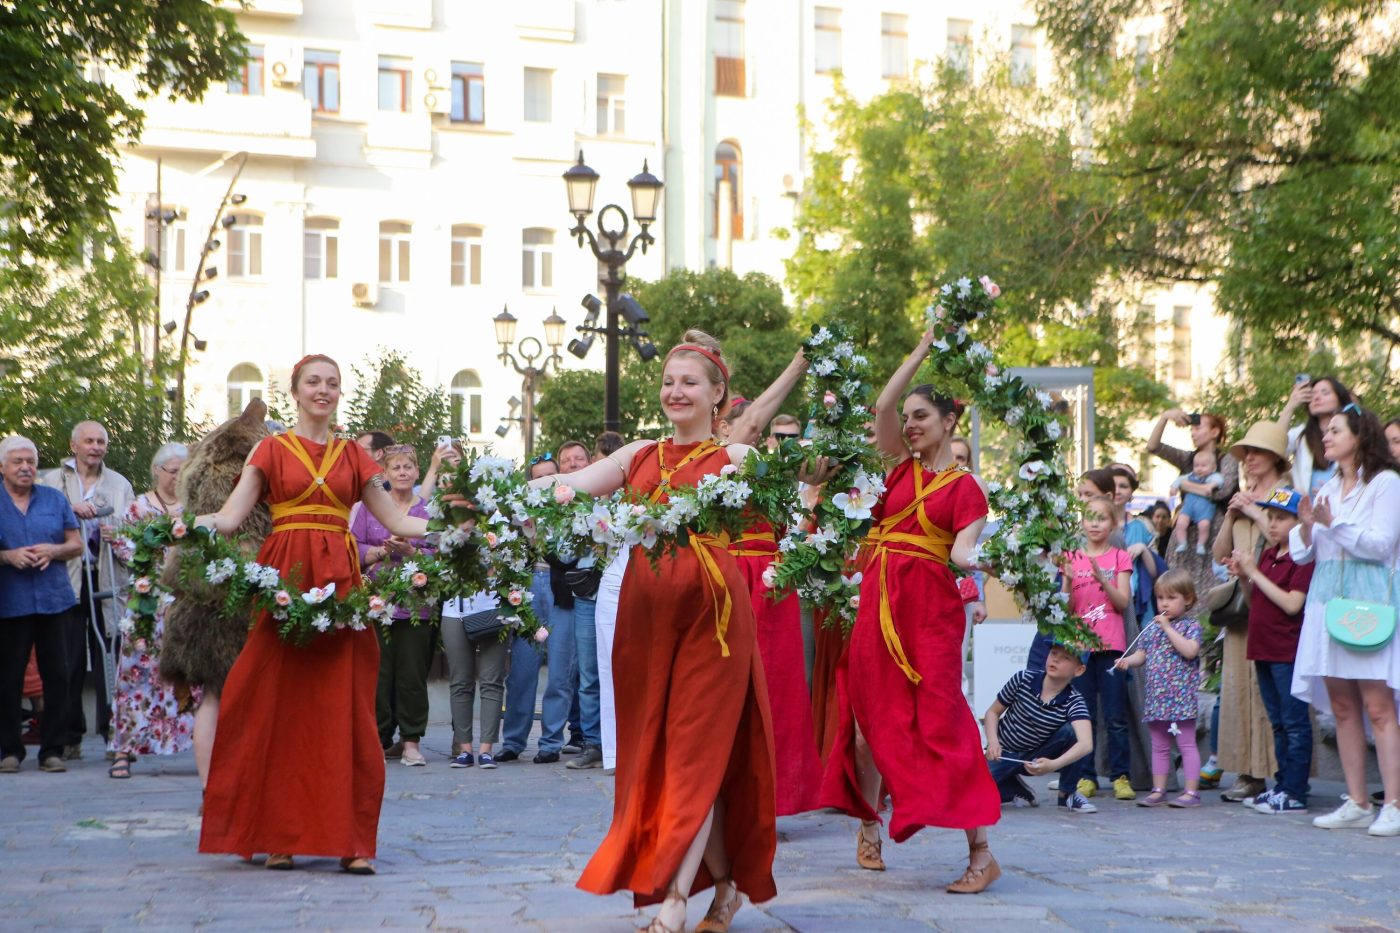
1185, 743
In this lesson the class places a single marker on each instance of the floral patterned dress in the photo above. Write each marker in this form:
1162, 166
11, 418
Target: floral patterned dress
146, 712
1171, 681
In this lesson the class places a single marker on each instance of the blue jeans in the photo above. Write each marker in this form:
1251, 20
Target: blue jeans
1106, 694
1003, 771
1293, 738
586, 643
523, 681
559, 694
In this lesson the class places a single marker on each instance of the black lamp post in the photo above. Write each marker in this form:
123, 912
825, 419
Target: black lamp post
581, 183
530, 350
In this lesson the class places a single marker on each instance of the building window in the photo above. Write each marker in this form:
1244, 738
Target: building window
169, 251
1022, 55
959, 53
729, 176
466, 255
730, 80
1142, 59
321, 257
395, 83
1181, 346
827, 41
894, 45
320, 80
468, 93
612, 105
538, 93
466, 403
537, 258
248, 82
394, 250
245, 383
245, 246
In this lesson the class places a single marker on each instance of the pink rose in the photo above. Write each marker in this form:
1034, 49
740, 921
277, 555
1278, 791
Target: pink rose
541, 634
992, 289
282, 598
728, 469
142, 585
515, 598
564, 494
638, 511
420, 579
377, 604
993, 369
829, 399
491, 538
178, 529
770, 576
855, 601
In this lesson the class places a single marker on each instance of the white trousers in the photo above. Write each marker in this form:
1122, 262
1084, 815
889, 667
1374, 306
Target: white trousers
605, 623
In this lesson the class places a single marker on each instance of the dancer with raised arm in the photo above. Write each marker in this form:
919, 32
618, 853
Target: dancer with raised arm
903, 717
695, 800
297, 766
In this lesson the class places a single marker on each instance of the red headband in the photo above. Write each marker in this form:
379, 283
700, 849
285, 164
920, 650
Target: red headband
710, 355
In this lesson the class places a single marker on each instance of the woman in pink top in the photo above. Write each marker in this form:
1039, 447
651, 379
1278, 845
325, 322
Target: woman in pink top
1097, 580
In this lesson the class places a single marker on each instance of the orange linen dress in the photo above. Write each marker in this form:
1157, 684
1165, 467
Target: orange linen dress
297, 764
779, 624
692, 709
900, 678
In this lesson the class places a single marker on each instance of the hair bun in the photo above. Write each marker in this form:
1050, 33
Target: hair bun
702, 339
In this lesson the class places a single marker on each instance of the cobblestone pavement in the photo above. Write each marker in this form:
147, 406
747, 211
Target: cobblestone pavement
488, 850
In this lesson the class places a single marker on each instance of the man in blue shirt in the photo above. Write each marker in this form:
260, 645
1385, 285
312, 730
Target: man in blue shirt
38, 533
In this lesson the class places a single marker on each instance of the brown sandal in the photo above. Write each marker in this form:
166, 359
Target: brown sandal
279, 863
868, 853
657, 925
356, 866
976, 880
720, 916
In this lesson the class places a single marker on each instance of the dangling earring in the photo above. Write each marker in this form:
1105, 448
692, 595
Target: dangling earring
715, 411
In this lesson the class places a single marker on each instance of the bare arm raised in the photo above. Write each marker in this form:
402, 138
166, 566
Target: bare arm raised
748, 427
889, 436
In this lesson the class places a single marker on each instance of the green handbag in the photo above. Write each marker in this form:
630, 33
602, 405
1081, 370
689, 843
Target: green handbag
1359, 625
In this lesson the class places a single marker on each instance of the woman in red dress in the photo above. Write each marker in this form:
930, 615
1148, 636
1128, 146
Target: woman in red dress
297, 766
694, 801
903, 716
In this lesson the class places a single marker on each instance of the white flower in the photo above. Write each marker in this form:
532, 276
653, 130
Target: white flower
433, 508
823, 538
269, 578
1174, 729
964, 287
317, 595
494, 467
357, 624
852, 579
770, 576
820, 337
127, 625
220, 571
855, 504
823, 367
1032, 470
1044, 398
940, 345
252, 572
1053, 429
1009, 577
322, 622
1014, 416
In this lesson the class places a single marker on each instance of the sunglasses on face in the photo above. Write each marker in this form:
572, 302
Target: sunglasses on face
785, 436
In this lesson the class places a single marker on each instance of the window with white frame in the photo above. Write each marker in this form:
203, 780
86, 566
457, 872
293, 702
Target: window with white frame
539, 93
612, 105
959, 50
395, 250
537, 258
245, 383
245, 246
468, 93
320, 80
466, 254
321, 255
395, 84
248, 80
1022, 55
730, 79
826, 51
466, 403
894, 45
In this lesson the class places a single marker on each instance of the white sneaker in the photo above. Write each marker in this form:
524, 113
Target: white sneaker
1053, 785
1387, 822
1347, 816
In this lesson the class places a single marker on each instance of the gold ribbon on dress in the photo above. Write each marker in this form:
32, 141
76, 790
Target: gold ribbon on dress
752, 538
934, 544
298, 506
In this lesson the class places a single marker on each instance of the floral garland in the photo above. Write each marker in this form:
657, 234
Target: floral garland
817, 553
207, 559
1040, 515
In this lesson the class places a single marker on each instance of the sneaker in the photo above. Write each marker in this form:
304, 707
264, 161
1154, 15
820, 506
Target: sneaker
590, 757
1244, 790
1211, 773
1053, 785
1387, 822
486, 761
572, 747
1021, 792
72, 752
1347, 816
1280, 802
463, 760
1076, 803
545, 758
507, 754
9, 764
1123, 788
1200, 550
1087, 788
55, 764
1261, 800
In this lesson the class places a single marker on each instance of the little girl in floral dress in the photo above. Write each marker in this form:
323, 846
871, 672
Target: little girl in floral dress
1170, 651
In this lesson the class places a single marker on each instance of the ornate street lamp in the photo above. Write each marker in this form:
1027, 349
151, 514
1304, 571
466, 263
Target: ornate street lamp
529, 349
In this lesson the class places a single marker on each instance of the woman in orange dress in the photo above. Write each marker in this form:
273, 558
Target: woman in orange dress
297, 766
903, 716
694, 801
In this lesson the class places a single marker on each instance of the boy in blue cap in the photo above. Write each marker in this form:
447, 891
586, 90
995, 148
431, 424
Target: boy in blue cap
1278, 589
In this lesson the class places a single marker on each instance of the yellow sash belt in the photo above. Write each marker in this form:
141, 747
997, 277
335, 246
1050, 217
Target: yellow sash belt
298, 506
754, 538
934, 544
715, 583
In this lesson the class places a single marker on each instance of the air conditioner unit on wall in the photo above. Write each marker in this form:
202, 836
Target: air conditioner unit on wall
284, 64
364, 294
437, 101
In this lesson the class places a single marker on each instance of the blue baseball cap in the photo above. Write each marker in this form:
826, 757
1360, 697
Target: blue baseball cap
1285, 500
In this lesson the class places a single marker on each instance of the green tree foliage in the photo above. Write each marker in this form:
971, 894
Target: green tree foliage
745, 313
69, 354
391, 396
61, 124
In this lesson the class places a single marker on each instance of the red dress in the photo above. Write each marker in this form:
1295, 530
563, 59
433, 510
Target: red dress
779, 624
692, 710
297, 765
922, 735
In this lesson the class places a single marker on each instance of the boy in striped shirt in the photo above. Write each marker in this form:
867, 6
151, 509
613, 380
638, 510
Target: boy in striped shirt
1039, 723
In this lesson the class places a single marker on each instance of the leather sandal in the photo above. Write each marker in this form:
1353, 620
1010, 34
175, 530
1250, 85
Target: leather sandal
720, 916
279, 863
868, 853
976, 880
356, 866
657, 925
120, 768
